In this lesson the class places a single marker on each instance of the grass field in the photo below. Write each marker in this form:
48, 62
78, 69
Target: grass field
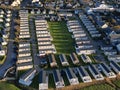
99, 87
61, 37
7, 86
51, 82
2, 59
117, 83
35, 83
20, 73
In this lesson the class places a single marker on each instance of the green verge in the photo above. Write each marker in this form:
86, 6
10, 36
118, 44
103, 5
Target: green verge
7, 86
51, 83
35, 83
99, 87
62, 38
2, 59
117, 83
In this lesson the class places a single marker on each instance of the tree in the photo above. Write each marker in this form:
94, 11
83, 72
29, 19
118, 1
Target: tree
17, 21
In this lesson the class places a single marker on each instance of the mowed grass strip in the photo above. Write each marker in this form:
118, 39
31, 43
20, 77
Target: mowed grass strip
117, 83
8, 86
62, 38
99, 87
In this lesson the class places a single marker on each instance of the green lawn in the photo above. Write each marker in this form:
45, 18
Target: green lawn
51, 83
35, 83
117, 83
2, 59
20, 73
66, 81
62, 39
7, 86
99, 87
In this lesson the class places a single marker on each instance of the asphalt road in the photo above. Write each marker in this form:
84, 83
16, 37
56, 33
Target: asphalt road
11, 55
33, 42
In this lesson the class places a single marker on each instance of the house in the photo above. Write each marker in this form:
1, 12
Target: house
82, 38
43, 36
24, 32
2, 20
23, 36
26, 78
24, 44
116, 1
96, 35
24, 59
7, 24
63, 60
94, 71
24, 66
3, 41
77, 35
86, 51
26, 48
8, 19
72, 22
44, 42
106, 47
62, 14
38, 28
93, 32
59, 83
73, 80
75, 31
110, 52
78, 41
91, 29
74, 26
69, 6
89, 25
38, 12
107, 71
42, 32
43, 39
74, 58
114, 39
85, 46
8, 11
115, 66
4, 34
84, 75
85, 58
24, 53
46, 49
24, 22
24, 25
43, 80
2, 51
115, 58
118, 47
107, 31
52, 60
